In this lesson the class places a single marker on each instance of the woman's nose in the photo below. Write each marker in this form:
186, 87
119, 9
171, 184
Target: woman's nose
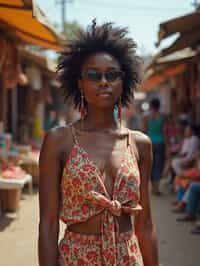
103, 80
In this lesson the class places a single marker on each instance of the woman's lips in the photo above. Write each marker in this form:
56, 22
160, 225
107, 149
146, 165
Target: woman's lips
104, 95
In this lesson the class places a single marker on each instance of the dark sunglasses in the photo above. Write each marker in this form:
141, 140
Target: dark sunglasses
96, 75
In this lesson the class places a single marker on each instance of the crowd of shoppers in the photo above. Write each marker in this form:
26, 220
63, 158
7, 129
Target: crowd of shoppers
176, 154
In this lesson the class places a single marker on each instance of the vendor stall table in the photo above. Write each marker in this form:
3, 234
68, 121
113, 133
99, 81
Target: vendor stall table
30, 163
10, 192
31, 168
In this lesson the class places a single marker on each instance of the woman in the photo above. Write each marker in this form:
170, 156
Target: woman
153, 125
94, 173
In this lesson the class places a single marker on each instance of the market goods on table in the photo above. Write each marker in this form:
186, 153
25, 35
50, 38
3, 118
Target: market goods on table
8, 170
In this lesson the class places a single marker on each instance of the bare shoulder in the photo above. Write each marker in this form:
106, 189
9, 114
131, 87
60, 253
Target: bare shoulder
57, 139
57, 134
143, 143
140, 138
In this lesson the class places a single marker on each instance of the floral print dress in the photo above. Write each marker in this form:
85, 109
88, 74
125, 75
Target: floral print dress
83, 196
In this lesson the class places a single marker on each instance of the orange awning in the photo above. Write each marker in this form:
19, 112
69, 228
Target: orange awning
158, 78
24, 19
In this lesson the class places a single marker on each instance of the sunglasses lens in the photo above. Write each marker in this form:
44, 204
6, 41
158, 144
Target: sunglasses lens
93, 75
113, 75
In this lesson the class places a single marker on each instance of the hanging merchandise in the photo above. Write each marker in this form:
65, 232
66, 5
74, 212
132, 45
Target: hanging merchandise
2, 52
22, 78
10, 66
34, 77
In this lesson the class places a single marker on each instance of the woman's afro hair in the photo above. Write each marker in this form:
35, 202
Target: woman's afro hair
99, 38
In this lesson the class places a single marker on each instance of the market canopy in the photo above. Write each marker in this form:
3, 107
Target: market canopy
177, 56
48, 65
189, 39
182, 25
181, 55
25, 20
159, 77
172, 60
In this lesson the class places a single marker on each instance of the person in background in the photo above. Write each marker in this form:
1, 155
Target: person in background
51, 120
153, 126
175, 148
171, 133
188, 151
172, 142
183, 182
193, 203
133, 122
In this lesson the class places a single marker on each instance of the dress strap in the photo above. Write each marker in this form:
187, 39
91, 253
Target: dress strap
74, 136
128, 138
132, 145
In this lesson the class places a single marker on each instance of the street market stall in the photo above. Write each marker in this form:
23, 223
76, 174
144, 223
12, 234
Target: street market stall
173, 73
10, 192
13, 177
22, 23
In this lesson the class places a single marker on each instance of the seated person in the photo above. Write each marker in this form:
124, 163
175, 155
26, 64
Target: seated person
188, 151
193, 204
183, 181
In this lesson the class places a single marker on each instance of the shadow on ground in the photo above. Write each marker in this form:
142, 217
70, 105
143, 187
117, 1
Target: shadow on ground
5, 221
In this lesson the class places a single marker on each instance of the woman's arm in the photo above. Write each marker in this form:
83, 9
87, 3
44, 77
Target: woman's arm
49, 187
143, 222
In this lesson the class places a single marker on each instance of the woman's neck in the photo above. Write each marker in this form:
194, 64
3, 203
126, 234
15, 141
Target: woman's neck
100, 119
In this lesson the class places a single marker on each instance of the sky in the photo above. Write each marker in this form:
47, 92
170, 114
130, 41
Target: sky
141, 17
